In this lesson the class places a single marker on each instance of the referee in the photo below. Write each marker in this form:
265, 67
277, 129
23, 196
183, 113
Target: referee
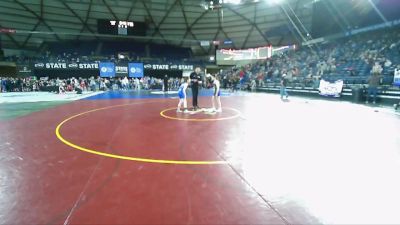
195, 83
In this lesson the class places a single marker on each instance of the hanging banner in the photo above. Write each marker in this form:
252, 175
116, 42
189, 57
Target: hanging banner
24, 70
331, 89
204, 43
121, 69
107, 69
135, 69
65, 66
168, 67
228, 42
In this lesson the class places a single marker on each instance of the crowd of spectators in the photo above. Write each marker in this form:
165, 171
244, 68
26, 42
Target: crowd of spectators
75, 57
32, 84
351, 57
10, 84
347, 59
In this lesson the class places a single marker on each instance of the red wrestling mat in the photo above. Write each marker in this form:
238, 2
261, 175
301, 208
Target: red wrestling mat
259, 161
56, 183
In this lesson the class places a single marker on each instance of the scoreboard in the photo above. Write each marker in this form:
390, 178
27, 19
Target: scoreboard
120, 27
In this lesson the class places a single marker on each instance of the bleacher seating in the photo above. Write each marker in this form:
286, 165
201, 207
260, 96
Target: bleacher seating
349, 59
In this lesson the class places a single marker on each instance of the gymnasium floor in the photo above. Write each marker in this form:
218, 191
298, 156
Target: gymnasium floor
129, 158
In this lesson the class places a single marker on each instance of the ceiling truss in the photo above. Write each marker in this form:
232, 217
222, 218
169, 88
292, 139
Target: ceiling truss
164, 23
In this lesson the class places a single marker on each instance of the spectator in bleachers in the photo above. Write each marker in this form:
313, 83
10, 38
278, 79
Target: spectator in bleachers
137, 83
377, 69
397, 74
3, 85
92, 84
260, 79
125, 83
396, 71
388, 63
61, 88
253, 85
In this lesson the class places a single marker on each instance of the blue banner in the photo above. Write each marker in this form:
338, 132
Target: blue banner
397, 82
135, 69
107, 69
228, 42
396, 78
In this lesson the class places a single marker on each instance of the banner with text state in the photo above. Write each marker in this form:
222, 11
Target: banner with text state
168, 67
65, 66
121, 69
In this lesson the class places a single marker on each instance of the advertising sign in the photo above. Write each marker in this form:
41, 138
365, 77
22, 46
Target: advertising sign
135, 69
107, 69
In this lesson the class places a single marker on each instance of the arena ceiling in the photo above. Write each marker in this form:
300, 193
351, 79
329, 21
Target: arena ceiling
178, 22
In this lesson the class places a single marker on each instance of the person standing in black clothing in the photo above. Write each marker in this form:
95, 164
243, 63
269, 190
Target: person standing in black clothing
165, 83
283, 91
18, 85
195, 82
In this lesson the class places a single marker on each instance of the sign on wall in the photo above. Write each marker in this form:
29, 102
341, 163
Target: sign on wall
63, 65
135, 69
121, 69
331, 89
168, 67
107, 69
24, 70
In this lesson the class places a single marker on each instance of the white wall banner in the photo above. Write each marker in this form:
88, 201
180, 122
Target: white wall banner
63, 65
327, 88
168, 67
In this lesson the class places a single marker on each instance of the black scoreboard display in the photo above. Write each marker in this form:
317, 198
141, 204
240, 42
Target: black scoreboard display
119, 27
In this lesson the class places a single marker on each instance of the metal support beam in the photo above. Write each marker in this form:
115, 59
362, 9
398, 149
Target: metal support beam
293, 35
247, 37
86, 19
292, 23
110, 10
186, 22
157, 27
29, 36
84, 23
252, 28
222, 29
15, 42
215, 37
335, 17
41, 9
280, 40
153, 22
38, 17
131, 10
168, 12
202, 48
251, 23
189, 28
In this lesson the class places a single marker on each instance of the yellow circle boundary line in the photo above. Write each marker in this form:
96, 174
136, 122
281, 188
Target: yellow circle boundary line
147, 160
162, 113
